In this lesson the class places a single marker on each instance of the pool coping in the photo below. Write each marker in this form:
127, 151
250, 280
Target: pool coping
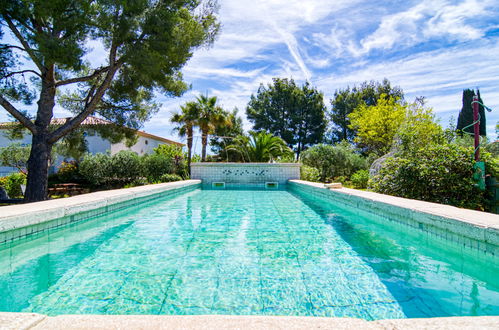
14, 217
17, 216
451, 221
39, 321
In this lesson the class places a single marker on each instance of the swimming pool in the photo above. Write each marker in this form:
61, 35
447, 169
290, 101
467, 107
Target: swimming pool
244, 252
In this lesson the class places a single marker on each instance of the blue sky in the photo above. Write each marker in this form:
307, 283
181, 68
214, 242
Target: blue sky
429, 48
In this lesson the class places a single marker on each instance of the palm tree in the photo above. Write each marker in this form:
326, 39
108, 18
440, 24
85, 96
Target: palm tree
186, 120
260, 147
210, 117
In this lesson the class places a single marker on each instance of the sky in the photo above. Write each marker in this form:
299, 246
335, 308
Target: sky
429, 48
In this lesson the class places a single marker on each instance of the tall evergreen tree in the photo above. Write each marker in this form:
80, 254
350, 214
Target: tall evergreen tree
146, 44
345, 101
295, 114
465, 117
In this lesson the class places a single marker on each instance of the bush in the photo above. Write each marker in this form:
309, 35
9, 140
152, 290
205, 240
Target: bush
96, 169
170, 178
333, 161
12, 184
156, 165
438, 173
126, 167
308, 173
68, 172
360, 179
176, 155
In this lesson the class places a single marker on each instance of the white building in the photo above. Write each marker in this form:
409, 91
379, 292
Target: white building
96, 144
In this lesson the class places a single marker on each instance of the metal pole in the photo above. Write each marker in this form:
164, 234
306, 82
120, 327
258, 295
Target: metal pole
476, 128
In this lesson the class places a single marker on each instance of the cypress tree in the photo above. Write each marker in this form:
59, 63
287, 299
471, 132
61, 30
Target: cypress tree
466, 114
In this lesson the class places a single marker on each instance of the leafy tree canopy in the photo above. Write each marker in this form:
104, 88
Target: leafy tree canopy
377, 125
345, 101
15, 155
224, 135
146, 43
296, 114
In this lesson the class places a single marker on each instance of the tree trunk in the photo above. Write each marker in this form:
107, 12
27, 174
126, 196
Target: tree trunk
298, 151
38, 162
38, 166
204, 142
189, 152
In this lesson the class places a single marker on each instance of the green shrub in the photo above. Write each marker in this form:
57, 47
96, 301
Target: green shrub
438, 173
360, 179
309, 173
156, 165
333, 161
126, 167
170, 178
68, 172
96, 169
137, 182
12, 184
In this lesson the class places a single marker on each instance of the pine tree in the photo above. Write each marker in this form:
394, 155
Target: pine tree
466, 114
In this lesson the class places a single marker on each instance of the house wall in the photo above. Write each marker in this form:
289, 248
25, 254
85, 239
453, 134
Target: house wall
96, 144
144, 145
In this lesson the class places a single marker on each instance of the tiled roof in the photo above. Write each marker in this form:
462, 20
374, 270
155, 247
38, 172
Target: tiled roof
90, 120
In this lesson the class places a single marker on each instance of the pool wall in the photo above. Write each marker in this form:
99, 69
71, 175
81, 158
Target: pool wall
17, 221
475, 231
247, 173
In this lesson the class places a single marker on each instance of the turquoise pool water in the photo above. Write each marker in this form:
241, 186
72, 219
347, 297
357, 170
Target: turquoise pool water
243, 252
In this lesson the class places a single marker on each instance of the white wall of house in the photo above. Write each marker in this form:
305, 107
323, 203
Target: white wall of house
144, 145
96, 144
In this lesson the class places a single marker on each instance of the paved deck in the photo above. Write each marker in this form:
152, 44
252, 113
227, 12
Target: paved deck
221, 322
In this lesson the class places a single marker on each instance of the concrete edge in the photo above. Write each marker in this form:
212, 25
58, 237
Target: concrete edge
38, 321
471, 217
24, 215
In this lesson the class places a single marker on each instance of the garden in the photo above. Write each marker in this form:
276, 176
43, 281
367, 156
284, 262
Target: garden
369, 138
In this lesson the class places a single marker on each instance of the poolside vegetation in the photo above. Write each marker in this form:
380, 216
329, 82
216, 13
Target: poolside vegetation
143, 47
369, 137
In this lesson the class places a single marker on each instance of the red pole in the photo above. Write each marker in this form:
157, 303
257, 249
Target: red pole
476, 128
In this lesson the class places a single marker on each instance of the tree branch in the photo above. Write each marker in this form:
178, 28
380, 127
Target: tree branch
25, 44
90, 107
18, 115
19, 72
82, 79
12, 46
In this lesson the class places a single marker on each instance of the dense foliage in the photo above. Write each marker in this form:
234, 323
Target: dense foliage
224, 136
345, 101
437, 173
210, 117
360, 179
145, 44
295, 114
15, 155
12, 184
377, 125
260, 147
333, 160
126, 167
309, 173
